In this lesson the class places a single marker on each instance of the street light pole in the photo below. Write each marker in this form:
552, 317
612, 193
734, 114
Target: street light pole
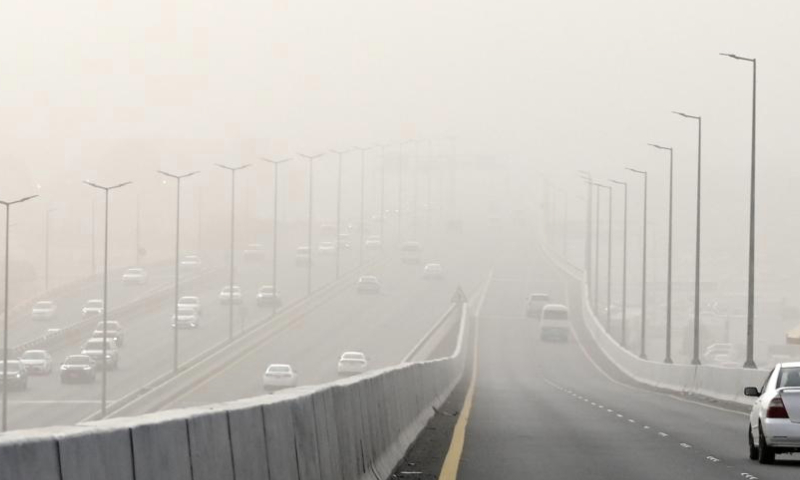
587, 252
624, 261
178, 179
596, 246
233, 171
275, 164
361, 227
608, 269
749, 362
642, 350
310, 159
696, 342
5, 308
340, 153
47, 249
383, 188
668, 355
106, 191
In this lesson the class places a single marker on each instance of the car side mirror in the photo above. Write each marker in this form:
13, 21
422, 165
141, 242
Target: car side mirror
751, 392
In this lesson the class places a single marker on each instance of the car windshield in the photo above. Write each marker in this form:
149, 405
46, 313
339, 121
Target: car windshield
368, 280
266, 290
110, 326
538, 297
555, 314
411, 247
94, 303
302, 250
78, 360
188, 300
34, 355
279, 369
135, 271
186, 311
95, 345
353, 356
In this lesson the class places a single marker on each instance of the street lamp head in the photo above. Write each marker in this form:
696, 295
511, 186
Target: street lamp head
618, 182
102, 187
686, 115
276, 162
660, 147
311, 157
737, 57
233, 169
641, 172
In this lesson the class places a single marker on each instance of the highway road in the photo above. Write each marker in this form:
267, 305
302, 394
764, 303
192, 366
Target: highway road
147, 352
550, 410
386, 326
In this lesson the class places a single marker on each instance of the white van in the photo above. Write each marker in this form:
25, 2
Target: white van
554, 323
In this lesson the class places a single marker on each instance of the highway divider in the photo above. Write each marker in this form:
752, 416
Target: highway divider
356, 428
718, 383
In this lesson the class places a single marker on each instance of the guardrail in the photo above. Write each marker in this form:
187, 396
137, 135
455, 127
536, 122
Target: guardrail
719, 383
354, 428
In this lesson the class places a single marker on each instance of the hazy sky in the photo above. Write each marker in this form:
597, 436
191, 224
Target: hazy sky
115, 89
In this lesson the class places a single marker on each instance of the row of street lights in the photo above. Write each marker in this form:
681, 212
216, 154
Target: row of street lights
749, 361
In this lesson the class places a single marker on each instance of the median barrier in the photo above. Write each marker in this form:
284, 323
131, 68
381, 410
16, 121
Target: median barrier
356, 428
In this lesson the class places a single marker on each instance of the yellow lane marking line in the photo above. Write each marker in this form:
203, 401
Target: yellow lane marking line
453, 459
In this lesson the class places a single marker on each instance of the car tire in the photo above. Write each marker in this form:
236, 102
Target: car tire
766, 454
752, 447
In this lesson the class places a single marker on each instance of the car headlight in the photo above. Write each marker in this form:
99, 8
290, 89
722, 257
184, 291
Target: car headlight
18, 375
87, 367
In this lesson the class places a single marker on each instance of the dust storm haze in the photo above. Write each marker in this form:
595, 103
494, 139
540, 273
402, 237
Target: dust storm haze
112, 91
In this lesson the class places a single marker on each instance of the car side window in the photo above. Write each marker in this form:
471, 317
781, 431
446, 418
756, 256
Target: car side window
766, 382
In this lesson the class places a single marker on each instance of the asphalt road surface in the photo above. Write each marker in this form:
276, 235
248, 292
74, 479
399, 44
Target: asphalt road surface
559, 410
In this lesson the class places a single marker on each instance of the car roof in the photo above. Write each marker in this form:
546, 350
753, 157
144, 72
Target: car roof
788, 364
555, 306
34, 351
44, 301
94, 300
279, 366
353, 353
189, 297
368, 277
81, 356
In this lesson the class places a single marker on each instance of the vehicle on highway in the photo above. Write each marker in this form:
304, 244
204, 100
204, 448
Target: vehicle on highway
94, 348
113, 331
17, 376
368, 284
44, 310
191, 261
92, 307
268, 297
373, 242
411, 253
254, 252
327, 248
774, 426
554, 323
187, 318
134, 276
278, 376
302, 256
723, 354
533, 308
228, 295
433, 271
190, 301
37, 362
78, 368
344, 240
351, 363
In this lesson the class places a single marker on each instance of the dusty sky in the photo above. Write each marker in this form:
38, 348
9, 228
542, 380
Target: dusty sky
113, 90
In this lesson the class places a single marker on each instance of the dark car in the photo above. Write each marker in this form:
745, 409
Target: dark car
113, 331
17, 376
78, 368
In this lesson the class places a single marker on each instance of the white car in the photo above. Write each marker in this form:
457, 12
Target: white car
113, 331
352, 363
93, 307
554, 323
187, 318
302, 256
268, 297
368, 284
44, 310
190, 301
37, 362
134, 276
191, 261
227, 296
254, 252
278, 376
411, 252
373, 243
94, 349
536, 301
775, 416
327, 248
433, 271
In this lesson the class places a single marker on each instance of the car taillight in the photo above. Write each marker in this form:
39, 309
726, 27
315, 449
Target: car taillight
777, 409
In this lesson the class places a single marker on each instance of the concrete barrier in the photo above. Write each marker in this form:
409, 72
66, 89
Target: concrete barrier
356, 428
720, 383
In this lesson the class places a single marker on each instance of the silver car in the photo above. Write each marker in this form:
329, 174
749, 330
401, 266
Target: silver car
37, 362
44, 310
278, 376
774, 426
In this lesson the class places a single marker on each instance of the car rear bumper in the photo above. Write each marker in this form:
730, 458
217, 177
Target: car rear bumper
781, 433
554, 333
